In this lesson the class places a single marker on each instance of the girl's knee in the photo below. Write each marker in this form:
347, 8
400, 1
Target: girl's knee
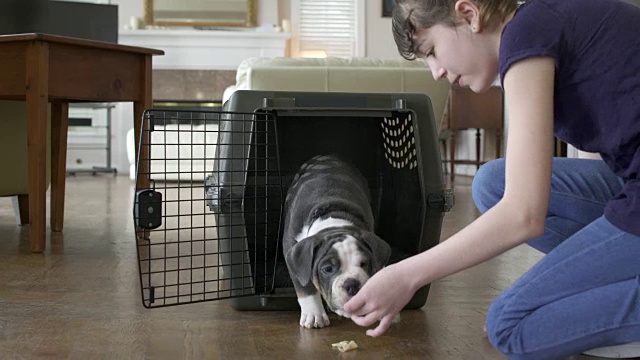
499, 330
495, 324
503, 330
488, 184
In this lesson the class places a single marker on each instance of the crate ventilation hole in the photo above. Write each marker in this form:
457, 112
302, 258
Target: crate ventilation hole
399, 142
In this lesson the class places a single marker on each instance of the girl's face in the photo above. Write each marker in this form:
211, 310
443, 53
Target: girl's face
463, 56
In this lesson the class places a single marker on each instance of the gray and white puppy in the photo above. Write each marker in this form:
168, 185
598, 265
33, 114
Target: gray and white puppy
328, 241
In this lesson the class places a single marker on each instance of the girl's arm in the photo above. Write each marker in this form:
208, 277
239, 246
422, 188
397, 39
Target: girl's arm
517, 218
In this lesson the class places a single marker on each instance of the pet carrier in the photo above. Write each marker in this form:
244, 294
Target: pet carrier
211, 185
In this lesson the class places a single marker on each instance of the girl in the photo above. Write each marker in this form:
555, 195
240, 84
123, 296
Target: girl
569, 68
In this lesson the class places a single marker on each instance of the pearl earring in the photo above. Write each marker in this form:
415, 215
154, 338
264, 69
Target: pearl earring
473, 28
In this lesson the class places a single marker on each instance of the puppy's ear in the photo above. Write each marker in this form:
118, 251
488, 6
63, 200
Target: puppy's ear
380, 250
300, 258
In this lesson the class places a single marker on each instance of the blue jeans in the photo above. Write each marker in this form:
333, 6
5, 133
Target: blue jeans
585, 293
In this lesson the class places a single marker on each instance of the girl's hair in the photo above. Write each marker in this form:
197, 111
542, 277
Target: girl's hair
410, 16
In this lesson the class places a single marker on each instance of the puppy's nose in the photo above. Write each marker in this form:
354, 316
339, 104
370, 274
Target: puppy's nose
351, 286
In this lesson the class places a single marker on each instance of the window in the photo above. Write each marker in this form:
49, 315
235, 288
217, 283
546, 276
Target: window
327, 28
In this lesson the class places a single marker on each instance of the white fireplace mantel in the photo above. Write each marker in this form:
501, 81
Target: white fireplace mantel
187, 49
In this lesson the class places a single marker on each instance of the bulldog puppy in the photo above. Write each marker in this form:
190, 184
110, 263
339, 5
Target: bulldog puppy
328, 240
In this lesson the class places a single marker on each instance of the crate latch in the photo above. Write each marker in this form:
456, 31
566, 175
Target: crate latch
219, 198
442, 200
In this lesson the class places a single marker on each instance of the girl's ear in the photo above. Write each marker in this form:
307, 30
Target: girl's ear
468, 12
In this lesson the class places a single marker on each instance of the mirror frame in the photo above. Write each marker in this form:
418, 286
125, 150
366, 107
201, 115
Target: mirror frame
250, 20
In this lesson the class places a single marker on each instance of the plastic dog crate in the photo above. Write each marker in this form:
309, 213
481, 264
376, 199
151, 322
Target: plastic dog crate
221, 238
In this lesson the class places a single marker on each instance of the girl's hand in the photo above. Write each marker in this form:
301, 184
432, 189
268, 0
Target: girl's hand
380, 299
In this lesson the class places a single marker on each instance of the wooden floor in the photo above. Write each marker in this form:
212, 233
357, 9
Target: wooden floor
81, 298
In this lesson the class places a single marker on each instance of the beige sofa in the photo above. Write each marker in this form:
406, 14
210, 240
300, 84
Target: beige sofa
341, 75
327, 74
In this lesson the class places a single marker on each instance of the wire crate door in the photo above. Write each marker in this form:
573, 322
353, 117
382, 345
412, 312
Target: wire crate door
207, 208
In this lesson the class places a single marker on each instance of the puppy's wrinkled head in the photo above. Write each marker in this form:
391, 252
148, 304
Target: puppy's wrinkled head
338, 261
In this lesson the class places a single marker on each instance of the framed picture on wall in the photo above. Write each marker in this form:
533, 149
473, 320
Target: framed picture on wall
387, 7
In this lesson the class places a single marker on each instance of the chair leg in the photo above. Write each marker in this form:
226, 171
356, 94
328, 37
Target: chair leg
21, 209
452, 154
443, 146
478, 149
498, 144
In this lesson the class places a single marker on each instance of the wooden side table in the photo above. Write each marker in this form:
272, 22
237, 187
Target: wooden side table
42, 69
468, 110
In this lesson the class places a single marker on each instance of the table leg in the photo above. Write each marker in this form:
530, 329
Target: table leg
59, 128
146, 101
37, 97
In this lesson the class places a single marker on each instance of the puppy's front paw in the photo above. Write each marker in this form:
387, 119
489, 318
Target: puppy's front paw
313, 314
314, 320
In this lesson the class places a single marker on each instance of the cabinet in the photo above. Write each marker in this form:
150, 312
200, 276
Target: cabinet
89, 138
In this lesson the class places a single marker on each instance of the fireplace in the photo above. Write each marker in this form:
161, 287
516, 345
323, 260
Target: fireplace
191, 86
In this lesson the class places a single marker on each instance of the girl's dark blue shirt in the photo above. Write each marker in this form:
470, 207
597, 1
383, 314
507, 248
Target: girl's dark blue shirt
596, 48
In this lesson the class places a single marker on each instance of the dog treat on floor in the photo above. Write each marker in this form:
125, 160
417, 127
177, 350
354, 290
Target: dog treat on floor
345, 345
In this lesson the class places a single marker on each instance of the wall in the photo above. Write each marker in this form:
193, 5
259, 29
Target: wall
127, 9
379, 40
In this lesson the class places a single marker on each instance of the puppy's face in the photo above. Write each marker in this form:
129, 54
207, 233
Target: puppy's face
338, 261
342, 270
